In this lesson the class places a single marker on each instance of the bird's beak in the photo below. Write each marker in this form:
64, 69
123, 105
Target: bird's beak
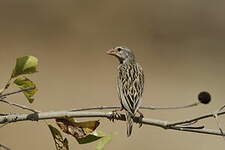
111, 52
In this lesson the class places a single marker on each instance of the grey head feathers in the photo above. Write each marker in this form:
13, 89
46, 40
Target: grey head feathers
123, 53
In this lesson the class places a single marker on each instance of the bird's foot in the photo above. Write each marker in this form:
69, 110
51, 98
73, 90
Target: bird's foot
115, 114
140, 118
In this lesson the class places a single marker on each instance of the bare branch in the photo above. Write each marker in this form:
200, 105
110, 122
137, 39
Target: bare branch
171, 107
6, 86
142, 107
4, 147
221, 108
196, 119
18, 91
217, 119
37, 115
95, 108
18, 105
218, 124
1, 126
68, 114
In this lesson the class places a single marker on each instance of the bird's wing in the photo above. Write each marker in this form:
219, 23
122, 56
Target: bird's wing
130, 86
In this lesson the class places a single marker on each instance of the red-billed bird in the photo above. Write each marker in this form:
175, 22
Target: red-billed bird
130, 83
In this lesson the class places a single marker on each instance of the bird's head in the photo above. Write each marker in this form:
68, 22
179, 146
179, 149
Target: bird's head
123, 53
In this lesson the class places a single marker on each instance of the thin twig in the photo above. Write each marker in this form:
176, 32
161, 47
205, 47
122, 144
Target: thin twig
69, 114
18, 91
3, 114
190, 123
191, 127
196, 119
19, 105
171, 107
4, 147
221, 108
217, 120
142, 107
95, 108
1, 126
218, 125
6, 86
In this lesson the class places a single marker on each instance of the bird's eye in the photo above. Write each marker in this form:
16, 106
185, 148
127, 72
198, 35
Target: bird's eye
119, 49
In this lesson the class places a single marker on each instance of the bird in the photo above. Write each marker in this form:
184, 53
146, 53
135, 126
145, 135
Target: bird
130, 84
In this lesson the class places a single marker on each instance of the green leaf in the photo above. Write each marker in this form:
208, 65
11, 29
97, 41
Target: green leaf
84, 132
23, 82
25, 65
91, 137
60, 143
104, 141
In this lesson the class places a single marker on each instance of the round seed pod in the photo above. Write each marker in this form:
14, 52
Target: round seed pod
204, 97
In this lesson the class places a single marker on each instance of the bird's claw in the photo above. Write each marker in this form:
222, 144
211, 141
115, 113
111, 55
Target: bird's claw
114, 116
140, 120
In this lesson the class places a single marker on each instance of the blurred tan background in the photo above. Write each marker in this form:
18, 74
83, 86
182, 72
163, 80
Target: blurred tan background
179, 43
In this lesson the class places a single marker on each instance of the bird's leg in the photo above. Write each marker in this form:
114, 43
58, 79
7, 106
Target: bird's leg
140, 118
115, 114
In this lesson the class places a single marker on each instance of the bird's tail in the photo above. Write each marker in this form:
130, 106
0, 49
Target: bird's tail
129, 119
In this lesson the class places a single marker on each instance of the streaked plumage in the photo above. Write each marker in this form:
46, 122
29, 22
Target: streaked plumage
130, 83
